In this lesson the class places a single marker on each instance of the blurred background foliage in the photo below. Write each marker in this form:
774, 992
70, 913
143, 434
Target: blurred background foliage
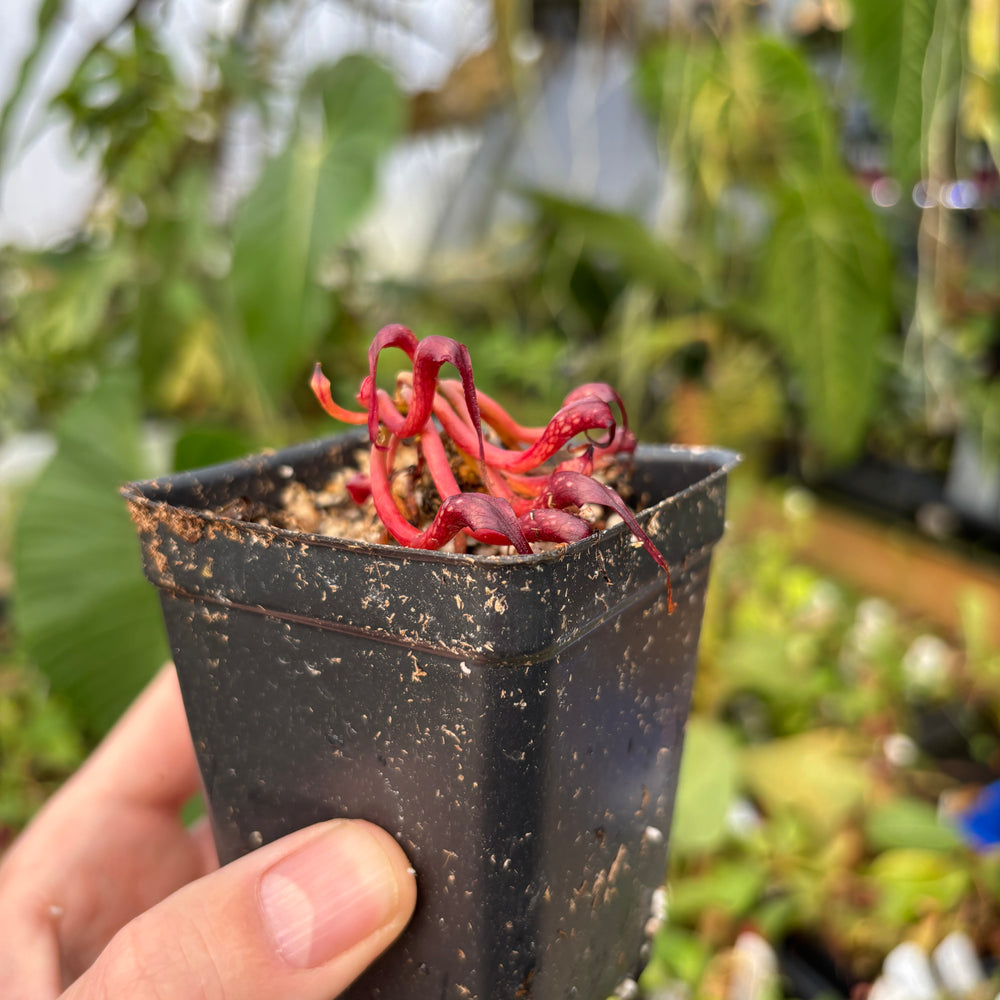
773, 225
747, 263
830, 742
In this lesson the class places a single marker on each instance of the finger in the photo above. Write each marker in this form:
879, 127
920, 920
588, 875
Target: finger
302, 917
203, 842
29, 960
148, 757
108, 846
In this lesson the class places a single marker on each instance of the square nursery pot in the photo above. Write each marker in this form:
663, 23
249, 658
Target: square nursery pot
515, 722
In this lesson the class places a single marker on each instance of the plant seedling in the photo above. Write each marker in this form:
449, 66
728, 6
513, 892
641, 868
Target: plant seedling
523, 485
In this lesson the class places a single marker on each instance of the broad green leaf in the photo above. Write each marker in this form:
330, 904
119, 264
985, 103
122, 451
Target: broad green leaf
739, 112
207, 444
83, 609
818, 775
889, 41
302, 209
875, 42
68, 313
708, 784
626, 240
676, 954
791, 108
910, 823
670, 72
827, 302
731, 887
912, 883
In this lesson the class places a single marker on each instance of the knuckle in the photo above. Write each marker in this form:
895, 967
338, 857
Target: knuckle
142, 962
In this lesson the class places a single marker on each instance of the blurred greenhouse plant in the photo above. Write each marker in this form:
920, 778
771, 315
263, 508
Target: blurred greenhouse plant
815, 274
164, 308
832, 742
820, 274
771, 255
775, 298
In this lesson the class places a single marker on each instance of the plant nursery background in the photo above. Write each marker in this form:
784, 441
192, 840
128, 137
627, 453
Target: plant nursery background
773, 226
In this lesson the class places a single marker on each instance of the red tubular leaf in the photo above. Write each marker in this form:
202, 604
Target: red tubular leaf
487, 517
582, 463
437, 461
447, 486
491, 412
603, 392
490, 518
432, 353
385, 505
510, 430
523, 485
360, 487
573, 488
394, 335
427, 356
578, 417
320, 386
387, 411
551, 525
444, 480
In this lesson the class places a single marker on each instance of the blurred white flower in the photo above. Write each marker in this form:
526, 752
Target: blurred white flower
925, 663
754, 968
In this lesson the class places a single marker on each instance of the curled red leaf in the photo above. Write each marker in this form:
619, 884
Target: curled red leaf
359, 487
581, 416
575, 489
489, 518
601, 391
320, 386
520, 504
491, 413
393, 335
548, 524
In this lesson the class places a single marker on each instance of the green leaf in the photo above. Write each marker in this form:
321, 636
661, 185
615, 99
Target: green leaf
792, 107
818, 775
889, 42
48, 12
207, 444
742, 109
302, 209
69, 314
912, 883
910, 823
730, 887
827, 303
82, 607
676, 954
627, 241
875, 43
708, 784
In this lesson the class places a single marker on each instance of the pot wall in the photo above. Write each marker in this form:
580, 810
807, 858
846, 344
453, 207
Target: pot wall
516, 722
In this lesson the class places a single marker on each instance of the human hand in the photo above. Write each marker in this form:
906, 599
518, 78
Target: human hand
107, 895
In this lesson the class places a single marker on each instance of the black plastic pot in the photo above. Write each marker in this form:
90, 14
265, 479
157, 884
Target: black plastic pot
515, 721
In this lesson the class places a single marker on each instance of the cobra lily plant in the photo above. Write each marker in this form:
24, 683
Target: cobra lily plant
524, 485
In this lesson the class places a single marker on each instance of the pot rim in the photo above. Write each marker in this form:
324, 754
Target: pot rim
153, 495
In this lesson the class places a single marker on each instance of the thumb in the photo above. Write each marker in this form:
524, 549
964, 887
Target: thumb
301, 917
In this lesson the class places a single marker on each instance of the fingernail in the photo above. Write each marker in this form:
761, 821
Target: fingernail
328, 895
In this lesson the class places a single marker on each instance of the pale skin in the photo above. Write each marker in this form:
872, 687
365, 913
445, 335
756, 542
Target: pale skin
108, 895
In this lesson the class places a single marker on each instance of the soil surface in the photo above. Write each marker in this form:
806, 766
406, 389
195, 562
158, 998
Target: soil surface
331, 510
